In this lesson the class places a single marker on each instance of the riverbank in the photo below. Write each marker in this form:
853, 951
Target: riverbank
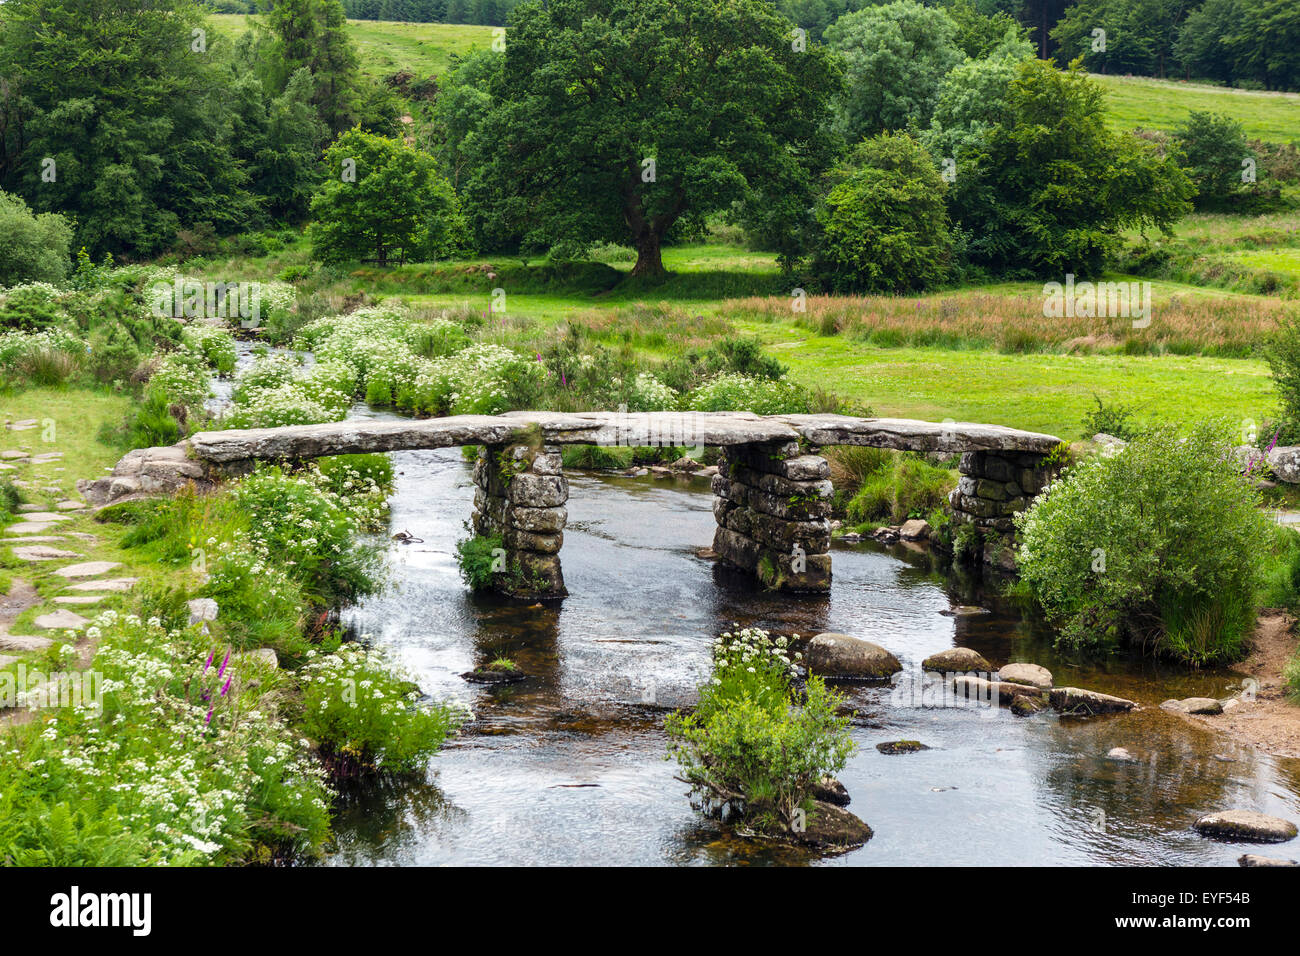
1266, 716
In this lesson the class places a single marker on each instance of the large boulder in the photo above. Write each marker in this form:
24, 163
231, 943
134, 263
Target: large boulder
839, 655
833, 829
972, 688
1284, 462
1077, 702
1246, 825
957, 660
1030, 674
916, 529
1194, 705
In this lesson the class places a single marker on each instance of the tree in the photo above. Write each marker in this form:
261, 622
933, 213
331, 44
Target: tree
117, 115
884, 225
896, 56
614, 119
972, 99
313, 34
383, 200
1214, 147
1138, 34
1050, 187
33, 248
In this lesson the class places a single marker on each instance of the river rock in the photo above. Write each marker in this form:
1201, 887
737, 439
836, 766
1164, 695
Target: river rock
830, 790
1252, 859
901, 747
1031, 674
1247, 825
839, 655
1027, 706
833, 828
1200, 705
957, 660
1121, 754
1077, 702
971, 688
917, 529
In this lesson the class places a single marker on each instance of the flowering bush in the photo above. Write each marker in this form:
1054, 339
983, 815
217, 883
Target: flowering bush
217, 346
483, 379
645, 393
288, 404
159, 774
731, 391
367, 716
181, 378
18, 347
752, 747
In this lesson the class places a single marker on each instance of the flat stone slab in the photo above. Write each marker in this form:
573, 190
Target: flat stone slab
107, 584
909, 435
45, 516
30, 527
43, 552
33, 539
1032, 674
589, 428
79, 598
1077, 702
1246, 825
61, 620
7, 659
70, 505
24, 642
86, 569
1194, 705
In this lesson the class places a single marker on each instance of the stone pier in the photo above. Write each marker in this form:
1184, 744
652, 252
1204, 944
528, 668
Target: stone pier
773, 511
520, 495
995, 486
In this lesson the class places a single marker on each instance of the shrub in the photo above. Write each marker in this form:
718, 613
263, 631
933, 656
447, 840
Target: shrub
731, 391
1107, 419
884, 226
30, 308
1213, 147
909, 488
217, 346
481, 559
367, 716
1159, 545
752, 747
33, 247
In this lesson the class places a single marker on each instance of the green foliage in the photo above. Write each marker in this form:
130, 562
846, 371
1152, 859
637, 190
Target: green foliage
752, 745
715, 95
1282, 352
33, 248
367, 715
884, 226
1110, 419
1139, 35
1243, 43
1050, 188
731, 391
399, 206
1159, 545
905, 487
1214, 147
481, 559
896, 55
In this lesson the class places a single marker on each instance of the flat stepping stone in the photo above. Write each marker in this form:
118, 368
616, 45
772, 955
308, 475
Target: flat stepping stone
957, 660
24, 642
45, 516
87, 569
61, 620
79, 598
1194, 705
13, 454
1246, 825
1027, 674
43, 552
7, 659
1077, 702
24, 509
70, 505
33, 539
30, 527
48, 456
108, 584
82, 536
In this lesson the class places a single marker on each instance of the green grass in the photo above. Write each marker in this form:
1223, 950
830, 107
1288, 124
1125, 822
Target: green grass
386, 47
1164, 104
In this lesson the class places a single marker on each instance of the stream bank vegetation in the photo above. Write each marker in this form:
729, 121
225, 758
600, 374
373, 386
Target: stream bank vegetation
759, 744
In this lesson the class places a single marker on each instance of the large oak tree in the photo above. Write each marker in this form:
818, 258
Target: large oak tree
612, 119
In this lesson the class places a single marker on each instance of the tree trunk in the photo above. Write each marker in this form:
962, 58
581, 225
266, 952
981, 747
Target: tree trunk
649, 261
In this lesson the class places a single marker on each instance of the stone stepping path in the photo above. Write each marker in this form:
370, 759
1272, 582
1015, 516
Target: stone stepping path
33, 539
87, 569
70, 505
30, 527
79, 598
61, 620
23, 642
108, 584
24, 509
13, 454
42, 552
45, 516
7, 659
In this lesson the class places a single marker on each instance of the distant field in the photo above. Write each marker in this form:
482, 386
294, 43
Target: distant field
1163, 104
386, 47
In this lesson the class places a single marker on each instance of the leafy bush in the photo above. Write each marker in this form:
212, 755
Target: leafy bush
33, 247
1113, 420
478, 557
732, 391
1159, 545
367, 716
1213, 147
752, 747
217, 346
909, 487
884, 226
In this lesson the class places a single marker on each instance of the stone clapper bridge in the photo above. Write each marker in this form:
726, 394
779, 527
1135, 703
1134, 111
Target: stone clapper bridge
773, 488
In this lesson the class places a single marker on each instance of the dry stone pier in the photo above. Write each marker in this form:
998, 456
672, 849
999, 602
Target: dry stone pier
773, 487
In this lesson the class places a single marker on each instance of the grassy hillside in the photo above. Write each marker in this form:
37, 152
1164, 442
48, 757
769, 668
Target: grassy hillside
386, 47
1163, 104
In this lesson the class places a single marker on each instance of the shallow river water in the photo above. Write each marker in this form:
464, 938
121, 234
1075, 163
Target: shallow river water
568, 766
